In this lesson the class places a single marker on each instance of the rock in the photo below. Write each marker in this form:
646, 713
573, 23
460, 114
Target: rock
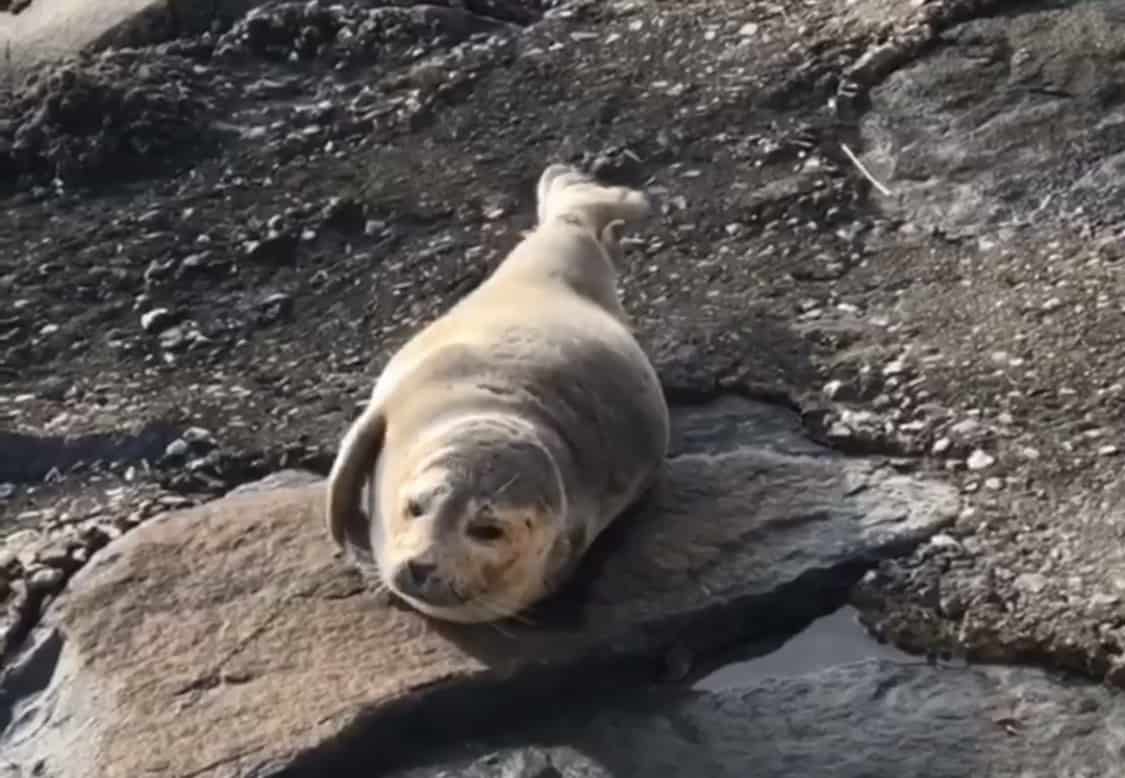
275, 307
278, 247
16, 613
198, 438
46, 580
870, 719
177, 449
980, 460
952, 104
230, 634
156, 320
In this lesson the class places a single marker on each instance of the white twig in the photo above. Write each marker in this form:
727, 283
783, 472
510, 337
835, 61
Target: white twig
866, 173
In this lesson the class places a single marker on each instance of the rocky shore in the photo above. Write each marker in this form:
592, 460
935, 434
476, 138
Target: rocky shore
888, 259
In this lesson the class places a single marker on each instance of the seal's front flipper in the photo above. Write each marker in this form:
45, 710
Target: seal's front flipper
354, 465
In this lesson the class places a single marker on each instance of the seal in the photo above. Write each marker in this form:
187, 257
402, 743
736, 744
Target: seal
501, 439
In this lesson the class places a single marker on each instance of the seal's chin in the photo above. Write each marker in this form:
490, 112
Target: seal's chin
468, 612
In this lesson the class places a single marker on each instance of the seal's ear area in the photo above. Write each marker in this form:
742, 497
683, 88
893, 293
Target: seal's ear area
354, 463
611, 240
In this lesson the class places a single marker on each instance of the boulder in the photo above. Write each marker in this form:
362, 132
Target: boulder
230, 640
55, 29
871, 719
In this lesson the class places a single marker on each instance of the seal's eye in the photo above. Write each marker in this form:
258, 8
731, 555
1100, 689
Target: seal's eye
414, 508
485, 531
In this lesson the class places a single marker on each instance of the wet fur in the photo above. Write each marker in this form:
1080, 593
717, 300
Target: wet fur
535, 365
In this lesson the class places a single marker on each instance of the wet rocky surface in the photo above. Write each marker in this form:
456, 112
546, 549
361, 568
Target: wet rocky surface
235, 626
876, 718
903, 221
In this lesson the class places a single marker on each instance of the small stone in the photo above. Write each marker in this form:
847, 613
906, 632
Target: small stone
832, 389
994, 484
941, 445
177, 449
1108, 450
156, 319
54, 555
194, 261
173, 338
965, 428
49, 329
945, 540
278, 247
980, 460
895, 367
276, 306
197, 437
46, 580
1031, 582
21, 541
749, 29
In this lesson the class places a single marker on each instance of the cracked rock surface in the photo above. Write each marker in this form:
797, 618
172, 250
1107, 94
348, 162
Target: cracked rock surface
232, 627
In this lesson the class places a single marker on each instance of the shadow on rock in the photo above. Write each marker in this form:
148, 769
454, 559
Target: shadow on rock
231, 634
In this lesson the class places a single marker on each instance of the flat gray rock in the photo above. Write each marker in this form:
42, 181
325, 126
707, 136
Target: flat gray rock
1013, 119
870, 719
227, 640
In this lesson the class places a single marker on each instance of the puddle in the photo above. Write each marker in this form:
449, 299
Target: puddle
835, 639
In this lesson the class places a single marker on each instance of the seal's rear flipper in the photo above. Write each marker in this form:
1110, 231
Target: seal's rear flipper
564, 191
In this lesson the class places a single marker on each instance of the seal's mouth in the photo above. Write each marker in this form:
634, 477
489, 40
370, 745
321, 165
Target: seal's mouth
420, 581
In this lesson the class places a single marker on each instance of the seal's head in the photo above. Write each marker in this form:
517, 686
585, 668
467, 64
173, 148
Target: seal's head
473, 529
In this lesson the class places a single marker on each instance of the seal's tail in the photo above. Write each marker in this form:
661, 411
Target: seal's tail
564, 191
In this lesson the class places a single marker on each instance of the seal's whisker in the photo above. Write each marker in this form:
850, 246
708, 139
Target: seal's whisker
511, 482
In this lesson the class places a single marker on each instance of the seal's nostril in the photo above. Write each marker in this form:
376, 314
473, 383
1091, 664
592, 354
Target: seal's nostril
419, 572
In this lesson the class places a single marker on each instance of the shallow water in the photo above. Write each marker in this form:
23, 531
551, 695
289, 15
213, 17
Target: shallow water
835, 639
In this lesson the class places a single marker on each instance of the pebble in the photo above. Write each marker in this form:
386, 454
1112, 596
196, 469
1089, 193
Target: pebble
46, 580
941, 445
980, 460
176, 449
197, 437
21, 540
1031, 582
155, 319
1108, 450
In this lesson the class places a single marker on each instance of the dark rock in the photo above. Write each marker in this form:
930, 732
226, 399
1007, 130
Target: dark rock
279, 248
870, 719
344, 214
1037, 75
275, 307
234, 631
